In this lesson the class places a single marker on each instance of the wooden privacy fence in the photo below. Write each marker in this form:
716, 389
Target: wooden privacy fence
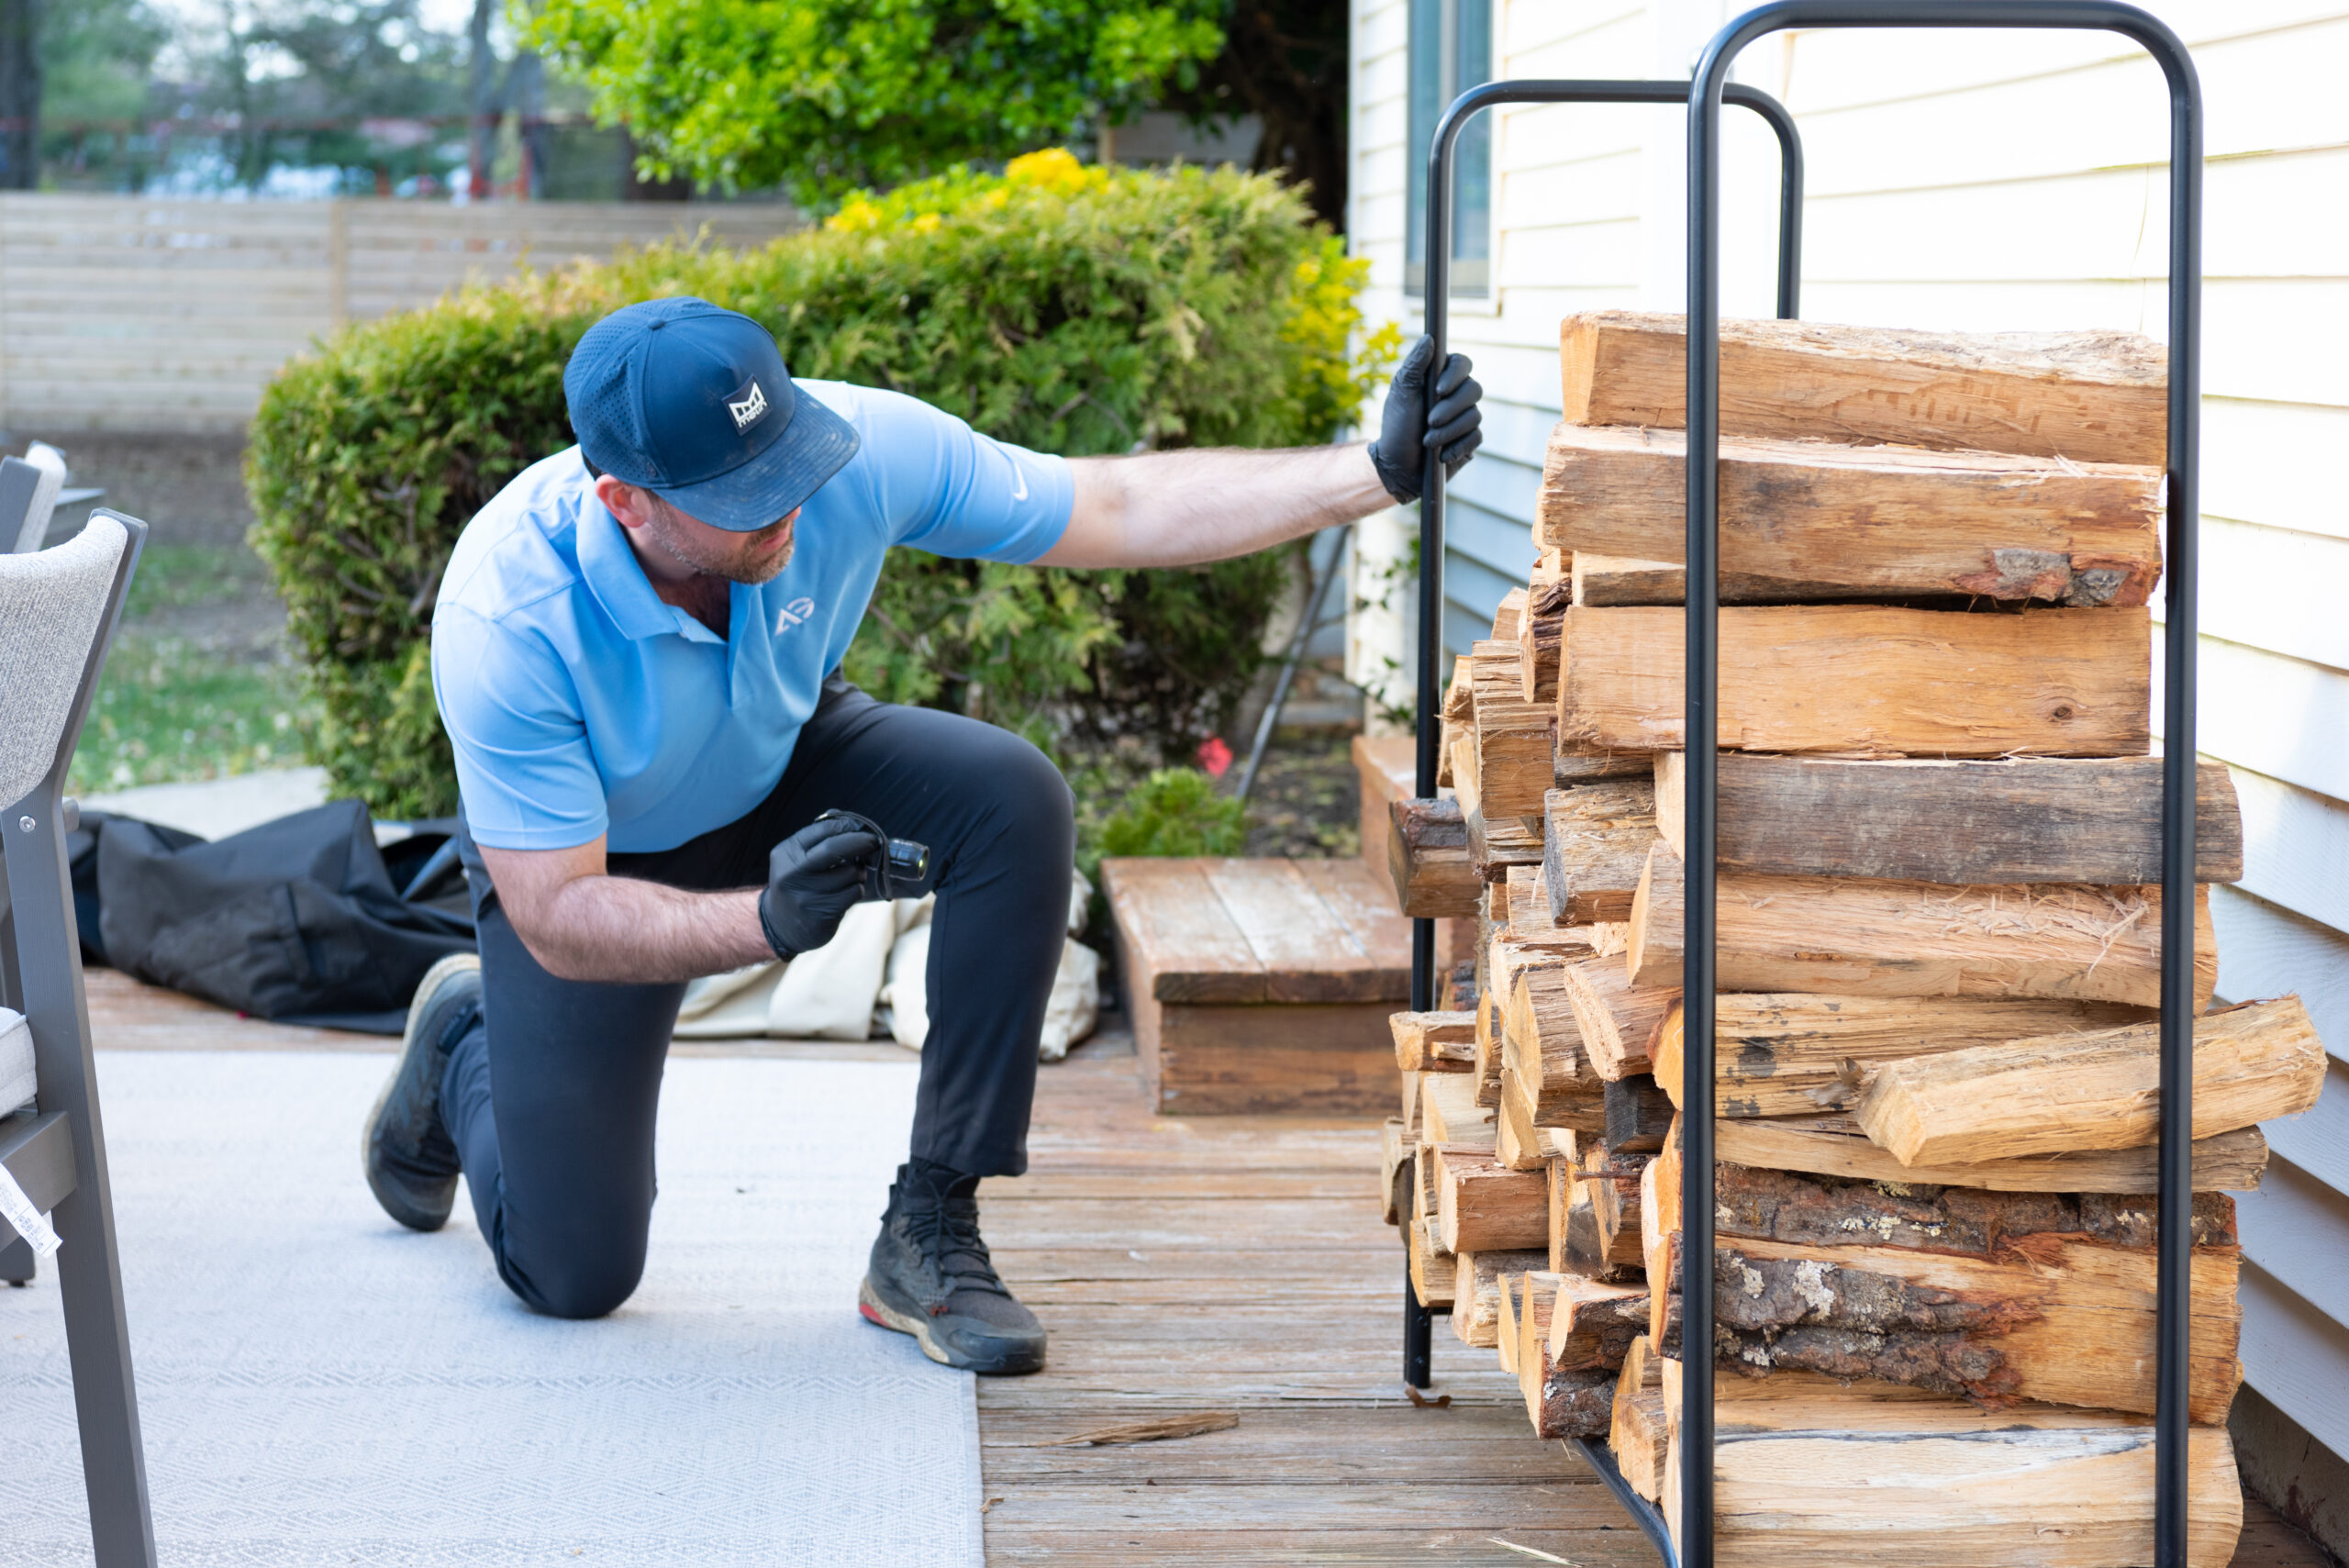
125, 313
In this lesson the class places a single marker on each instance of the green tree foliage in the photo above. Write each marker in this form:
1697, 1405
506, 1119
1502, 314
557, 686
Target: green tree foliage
821, 95
1055, 306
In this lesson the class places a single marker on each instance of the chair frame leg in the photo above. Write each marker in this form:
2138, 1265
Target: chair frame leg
89, 1271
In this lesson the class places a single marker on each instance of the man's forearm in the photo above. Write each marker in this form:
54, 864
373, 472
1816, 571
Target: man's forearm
1180, 508
618, 929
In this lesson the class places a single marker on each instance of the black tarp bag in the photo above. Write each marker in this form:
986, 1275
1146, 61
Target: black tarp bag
301, 920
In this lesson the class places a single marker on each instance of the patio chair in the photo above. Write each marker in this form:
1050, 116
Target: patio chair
58, 610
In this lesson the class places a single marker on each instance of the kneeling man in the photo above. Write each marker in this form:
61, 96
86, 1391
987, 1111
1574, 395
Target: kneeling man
636, 653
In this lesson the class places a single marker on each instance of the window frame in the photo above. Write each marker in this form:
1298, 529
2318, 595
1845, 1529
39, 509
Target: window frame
1474, 281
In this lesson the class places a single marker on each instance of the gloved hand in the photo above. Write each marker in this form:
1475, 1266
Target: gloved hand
814, 877
1408, 426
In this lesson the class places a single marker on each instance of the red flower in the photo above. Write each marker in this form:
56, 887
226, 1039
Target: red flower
1214, 756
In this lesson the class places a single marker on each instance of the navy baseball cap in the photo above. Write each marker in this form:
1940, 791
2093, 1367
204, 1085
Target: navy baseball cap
693, 403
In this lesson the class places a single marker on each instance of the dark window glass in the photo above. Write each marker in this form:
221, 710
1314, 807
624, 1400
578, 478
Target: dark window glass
1451, 51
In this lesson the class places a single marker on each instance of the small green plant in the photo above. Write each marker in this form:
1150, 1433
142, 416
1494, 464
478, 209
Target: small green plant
1175, 811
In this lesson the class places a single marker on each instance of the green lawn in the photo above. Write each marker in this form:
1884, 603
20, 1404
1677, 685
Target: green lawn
195, 686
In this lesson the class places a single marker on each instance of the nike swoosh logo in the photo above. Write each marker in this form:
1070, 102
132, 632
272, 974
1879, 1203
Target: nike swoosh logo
1019, 483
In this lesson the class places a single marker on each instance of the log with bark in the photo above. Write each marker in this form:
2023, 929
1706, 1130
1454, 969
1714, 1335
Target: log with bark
2014, 820
1851, 936
1544, 619
1816, 520
2089, 397
1594, 846
2253, 1063
1866, 679
1593, 1324
1560, 1402
1427, 858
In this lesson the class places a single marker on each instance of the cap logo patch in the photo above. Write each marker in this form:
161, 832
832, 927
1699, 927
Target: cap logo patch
747, 409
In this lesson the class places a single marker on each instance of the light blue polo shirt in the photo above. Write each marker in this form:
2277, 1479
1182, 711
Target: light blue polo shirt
579, 704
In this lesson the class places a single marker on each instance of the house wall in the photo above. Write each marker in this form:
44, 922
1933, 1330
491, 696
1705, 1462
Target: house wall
2009, 181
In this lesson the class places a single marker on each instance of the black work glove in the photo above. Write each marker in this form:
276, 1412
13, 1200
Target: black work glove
814, 877
1408, 426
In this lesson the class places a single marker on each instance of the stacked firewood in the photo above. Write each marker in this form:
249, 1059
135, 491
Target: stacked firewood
1939, 946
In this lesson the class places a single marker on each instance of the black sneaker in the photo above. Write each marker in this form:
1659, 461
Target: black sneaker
930, 1277
411, 1161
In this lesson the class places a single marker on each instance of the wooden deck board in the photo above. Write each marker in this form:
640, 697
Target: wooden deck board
1225, 1263
1239, 1263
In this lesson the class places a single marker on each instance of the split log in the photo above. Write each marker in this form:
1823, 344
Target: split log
1481, 1205
2089, 396
1639, 1114
1593, 1324
1659, 912
1476, 1294
2057, 1318
1519, 1142
1778, 1054
1433, 1043
1394, 1153
1594, 844
1427, 856
1514, 748
1592, 1233
1613, 1185
1458, 716
1547, 597
1449, 1113
1834, 1146
1512, 1321
1433, 1269
1636, 1428
1811, 1470
1583, 764
1488, 1063
1867, 678
1507, 615
1619, 1021
2252, 1063
1818, 520
1600, 580
2014, 820
1529, 924
1851, 936
1560, 1403
1543, 1060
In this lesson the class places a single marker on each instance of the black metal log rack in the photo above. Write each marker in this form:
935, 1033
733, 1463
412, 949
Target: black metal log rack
1704, 96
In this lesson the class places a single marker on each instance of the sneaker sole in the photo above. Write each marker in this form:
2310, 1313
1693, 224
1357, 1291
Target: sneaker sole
881, 1314
455, 963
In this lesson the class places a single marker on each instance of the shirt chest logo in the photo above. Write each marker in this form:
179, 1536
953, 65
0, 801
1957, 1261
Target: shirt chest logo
747, 409
796, 613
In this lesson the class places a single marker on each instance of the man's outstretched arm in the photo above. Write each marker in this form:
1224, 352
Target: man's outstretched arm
1179, 508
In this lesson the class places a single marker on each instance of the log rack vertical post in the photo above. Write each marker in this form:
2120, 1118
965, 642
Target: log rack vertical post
1419, 1321
1708, 90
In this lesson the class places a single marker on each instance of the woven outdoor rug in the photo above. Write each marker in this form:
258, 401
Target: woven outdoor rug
321, 1386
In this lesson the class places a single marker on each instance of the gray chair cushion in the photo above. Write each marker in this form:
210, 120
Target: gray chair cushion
51, 605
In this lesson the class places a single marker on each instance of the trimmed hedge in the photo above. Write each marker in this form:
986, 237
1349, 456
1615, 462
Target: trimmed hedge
1063, 307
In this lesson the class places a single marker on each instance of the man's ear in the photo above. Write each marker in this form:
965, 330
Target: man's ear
630, 507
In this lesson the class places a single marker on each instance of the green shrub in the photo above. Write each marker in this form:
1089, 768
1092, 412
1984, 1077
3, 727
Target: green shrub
1066, 308
1175, 811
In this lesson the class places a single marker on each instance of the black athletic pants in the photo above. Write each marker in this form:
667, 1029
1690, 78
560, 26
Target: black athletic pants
552, 1096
